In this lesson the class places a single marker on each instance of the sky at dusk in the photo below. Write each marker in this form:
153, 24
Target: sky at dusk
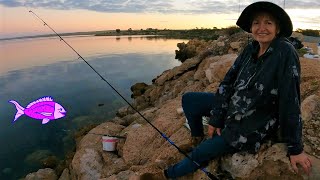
94, 15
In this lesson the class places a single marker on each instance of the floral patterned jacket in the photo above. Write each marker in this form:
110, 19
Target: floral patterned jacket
259, 95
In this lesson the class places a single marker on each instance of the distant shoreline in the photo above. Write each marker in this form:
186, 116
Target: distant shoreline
206, 34
175, 34
52, 35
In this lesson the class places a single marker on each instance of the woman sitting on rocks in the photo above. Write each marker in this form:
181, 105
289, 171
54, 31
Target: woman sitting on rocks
259, 94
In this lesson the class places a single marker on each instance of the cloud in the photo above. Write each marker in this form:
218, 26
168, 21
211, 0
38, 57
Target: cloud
113, 6
9, 3
297, 4
310, 21
155, 6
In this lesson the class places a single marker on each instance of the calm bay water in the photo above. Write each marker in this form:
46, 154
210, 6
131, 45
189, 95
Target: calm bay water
34, 68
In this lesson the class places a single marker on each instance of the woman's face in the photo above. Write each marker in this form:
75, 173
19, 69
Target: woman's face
264, 28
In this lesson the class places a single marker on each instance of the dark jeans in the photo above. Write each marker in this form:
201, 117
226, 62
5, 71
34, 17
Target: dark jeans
195, 105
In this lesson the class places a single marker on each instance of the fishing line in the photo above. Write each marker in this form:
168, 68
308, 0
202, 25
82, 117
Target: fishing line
210, 175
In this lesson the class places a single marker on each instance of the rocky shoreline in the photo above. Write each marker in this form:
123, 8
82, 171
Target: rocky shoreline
144, 150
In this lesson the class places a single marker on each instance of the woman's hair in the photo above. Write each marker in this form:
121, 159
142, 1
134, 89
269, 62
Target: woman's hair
264, 13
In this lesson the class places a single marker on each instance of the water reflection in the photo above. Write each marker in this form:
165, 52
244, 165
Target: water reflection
19, 54
54, 71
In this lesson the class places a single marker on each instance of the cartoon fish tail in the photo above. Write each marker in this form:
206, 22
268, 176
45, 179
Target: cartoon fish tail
20, 110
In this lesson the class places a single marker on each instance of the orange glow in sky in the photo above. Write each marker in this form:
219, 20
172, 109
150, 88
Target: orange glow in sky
17, 21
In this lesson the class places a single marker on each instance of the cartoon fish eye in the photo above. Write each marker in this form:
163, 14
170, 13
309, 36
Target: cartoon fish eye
60, 109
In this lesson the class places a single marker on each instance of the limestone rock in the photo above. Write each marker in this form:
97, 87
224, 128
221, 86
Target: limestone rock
268, 163
311, 124
310, 79
141, 143
120, 121
240, 166
94, 141
65, 175
235, 45
148, 113
205, 64
47, 174
167, 153
121, 112
180, 111
297, 35
140, 103
308, 106
138, 89
187, 65
113, 164
87, 164
154, 93
217, 70
124, 175
315, 171
221, 44
191, 49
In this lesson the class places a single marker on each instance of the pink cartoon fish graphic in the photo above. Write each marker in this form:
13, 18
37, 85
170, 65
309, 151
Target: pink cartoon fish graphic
43, 108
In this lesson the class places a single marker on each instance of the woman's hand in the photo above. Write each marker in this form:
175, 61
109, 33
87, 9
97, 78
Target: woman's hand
303, 160
212, 129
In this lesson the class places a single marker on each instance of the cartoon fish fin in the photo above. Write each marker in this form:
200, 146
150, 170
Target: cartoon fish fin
20, 110
45, 121
42, 99
46, 113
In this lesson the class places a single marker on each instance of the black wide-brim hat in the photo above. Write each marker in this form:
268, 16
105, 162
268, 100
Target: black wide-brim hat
246, 17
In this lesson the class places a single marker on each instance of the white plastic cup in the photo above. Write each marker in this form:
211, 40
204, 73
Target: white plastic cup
109, 143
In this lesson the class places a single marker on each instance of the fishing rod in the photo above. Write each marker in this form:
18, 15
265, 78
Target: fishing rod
210, 175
